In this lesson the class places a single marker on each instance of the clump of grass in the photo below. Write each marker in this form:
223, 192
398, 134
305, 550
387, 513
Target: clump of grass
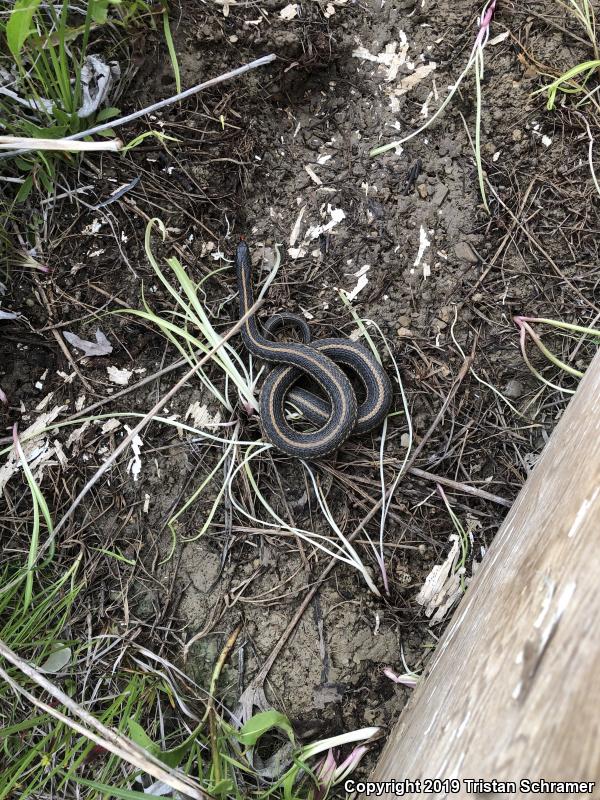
41, 91
189, 328
40, 511
28, 737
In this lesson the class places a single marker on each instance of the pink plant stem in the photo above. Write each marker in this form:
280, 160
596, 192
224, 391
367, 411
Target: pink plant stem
484, 25
524, 329
442, 493
382, 568
405, 680
350, 763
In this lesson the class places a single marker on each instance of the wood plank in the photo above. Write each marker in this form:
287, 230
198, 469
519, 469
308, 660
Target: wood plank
513, 689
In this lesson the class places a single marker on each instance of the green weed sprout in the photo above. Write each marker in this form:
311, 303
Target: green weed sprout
221, 754
524, 324
567, 83
40, 510
574, 81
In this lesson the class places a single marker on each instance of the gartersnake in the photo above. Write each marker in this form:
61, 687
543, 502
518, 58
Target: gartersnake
340, 414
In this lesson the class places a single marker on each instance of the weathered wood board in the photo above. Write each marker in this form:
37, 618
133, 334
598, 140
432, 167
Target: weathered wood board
513, 690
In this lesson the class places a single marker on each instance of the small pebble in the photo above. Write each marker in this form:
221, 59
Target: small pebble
513, 389
464, 252
440, 194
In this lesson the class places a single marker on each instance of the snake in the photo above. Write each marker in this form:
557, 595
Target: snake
337, 414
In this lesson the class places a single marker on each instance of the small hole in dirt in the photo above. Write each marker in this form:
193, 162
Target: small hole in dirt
267, 746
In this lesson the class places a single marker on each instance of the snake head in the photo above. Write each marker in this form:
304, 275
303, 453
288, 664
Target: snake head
242, 255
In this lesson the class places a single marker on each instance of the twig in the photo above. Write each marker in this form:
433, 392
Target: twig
50, 201
61, 342
501, 247
541, 250
465, 488
122, 392
95, 406
529, 12
590, 150
466, 366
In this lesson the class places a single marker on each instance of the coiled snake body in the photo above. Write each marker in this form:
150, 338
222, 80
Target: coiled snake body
340, 414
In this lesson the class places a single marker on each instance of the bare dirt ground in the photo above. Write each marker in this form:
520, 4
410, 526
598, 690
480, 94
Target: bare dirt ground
291, 142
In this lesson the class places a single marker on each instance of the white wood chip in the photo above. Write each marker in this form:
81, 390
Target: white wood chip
202, 418
296, 229
424, 243
290, 11
119, 376
500, 38
442, 587
110, 425
134, 466
313, 176
35, 446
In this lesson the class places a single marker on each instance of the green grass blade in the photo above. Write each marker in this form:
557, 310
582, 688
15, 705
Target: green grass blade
18, 27
108, 791
171, 48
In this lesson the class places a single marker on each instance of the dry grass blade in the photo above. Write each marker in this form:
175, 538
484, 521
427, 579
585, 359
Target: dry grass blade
62, 145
